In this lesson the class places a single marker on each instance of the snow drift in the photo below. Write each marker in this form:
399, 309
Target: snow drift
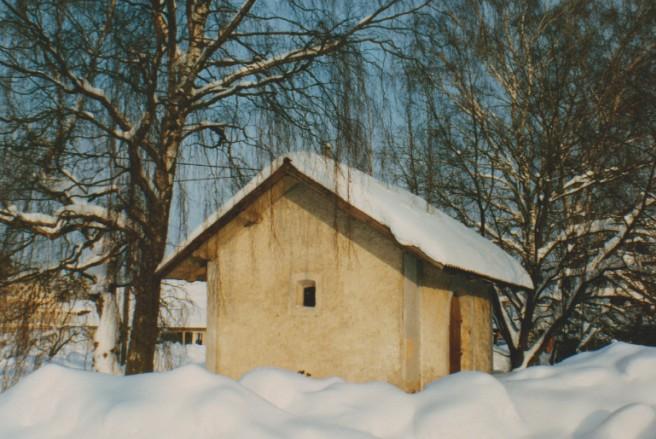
610, 393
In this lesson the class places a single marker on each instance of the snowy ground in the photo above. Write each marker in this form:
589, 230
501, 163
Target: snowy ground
610, 393
79, 355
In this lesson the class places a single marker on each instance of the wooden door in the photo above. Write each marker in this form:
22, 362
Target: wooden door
455, 341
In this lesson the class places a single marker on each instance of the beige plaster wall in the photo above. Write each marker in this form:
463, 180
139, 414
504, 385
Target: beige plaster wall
411, 331
358, 273
435, 309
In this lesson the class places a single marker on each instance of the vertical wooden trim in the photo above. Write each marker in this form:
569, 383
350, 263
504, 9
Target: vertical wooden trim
411, 360
455, 338
211, 341
487, 337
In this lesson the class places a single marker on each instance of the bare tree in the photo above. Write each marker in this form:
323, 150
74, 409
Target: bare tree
533, 122
152, 78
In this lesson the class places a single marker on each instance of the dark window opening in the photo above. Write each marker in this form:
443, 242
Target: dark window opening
310, 296
171, 337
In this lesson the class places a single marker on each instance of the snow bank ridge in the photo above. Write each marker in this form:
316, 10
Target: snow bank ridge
614, 397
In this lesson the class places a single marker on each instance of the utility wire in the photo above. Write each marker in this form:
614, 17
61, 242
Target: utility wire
184, 180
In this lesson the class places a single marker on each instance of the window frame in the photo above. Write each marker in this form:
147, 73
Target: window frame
298, 283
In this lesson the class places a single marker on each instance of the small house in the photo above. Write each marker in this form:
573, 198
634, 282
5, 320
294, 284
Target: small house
319, 268
183, 313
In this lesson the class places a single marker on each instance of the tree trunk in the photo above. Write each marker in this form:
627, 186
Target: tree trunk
143, 337
105, 359
516, 358
144, 332
125, 329
106, 337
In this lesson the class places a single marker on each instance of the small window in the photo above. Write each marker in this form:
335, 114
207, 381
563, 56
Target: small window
310, 296
307, 294
171, 337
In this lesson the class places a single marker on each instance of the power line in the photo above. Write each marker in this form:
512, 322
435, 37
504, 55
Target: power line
184, 180
217, 166
200, 165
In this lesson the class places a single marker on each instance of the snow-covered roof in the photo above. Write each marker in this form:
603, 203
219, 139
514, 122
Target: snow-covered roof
412, 221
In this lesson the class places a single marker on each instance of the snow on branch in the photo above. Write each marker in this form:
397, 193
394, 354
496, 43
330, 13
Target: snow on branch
70, 187
249, 85
89, 216
224, 87
97, 213
583, 181
52, 54
619, 226
92, 259
76, 259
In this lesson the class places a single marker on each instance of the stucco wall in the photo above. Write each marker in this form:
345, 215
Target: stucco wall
253, 282
435, 307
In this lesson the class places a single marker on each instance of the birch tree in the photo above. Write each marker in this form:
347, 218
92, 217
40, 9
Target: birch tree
533, 122
153, 79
